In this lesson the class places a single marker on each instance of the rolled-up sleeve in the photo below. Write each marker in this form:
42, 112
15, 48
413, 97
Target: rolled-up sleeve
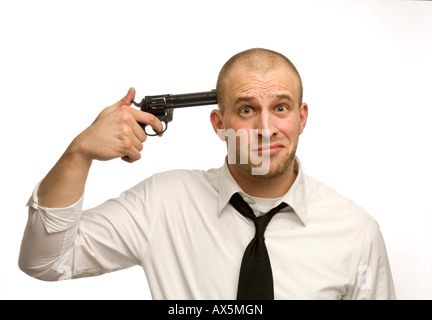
65, 243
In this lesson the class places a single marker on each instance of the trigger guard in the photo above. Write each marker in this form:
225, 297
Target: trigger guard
156, 133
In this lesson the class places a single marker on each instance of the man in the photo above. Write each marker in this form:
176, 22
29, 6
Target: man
187, 229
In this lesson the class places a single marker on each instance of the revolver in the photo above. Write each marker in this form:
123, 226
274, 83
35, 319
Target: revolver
162, 106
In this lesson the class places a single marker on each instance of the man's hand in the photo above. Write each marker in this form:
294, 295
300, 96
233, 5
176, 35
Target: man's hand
115, 132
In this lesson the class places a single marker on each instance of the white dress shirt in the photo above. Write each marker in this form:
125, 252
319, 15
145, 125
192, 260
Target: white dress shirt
179, 226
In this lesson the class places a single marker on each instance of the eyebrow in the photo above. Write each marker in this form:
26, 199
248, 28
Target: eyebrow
243, 99
284, 96
250, 98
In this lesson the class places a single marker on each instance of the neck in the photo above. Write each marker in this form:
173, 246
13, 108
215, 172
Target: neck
262, 187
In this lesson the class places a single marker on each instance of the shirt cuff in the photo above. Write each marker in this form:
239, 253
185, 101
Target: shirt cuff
56, 219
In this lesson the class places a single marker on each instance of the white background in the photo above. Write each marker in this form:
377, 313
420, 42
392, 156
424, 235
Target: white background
366, 68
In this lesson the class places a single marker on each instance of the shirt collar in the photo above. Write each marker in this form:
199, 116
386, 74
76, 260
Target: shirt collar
295, 197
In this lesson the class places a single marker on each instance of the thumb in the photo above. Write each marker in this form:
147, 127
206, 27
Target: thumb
127, 99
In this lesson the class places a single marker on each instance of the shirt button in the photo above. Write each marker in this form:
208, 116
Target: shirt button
246, 199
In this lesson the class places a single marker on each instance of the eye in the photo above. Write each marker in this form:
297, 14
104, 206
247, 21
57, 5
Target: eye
281, 108
246, 110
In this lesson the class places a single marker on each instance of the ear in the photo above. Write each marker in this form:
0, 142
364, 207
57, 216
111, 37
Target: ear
216, 119
304, 111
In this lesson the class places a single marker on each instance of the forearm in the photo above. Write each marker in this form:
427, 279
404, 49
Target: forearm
65, 182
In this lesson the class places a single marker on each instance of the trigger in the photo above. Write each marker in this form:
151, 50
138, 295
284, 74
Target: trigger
137, 104
154, 132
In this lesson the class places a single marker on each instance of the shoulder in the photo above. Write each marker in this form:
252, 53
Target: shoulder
325, 201
185, 175
173, 186
178, 180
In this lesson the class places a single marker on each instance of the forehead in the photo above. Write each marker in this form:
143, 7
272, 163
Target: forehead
243, 81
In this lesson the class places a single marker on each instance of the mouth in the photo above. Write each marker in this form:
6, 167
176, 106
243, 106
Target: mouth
269, 149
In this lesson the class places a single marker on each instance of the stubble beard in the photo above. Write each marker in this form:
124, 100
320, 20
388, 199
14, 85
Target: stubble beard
279, 170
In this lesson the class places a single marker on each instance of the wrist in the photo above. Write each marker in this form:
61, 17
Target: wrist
78, 152
64, 184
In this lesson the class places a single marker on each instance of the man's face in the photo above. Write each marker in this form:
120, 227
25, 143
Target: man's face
260, 101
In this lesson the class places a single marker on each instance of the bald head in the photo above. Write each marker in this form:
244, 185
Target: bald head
258, 60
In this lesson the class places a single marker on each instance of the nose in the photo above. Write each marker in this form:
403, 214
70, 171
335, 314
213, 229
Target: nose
265, 121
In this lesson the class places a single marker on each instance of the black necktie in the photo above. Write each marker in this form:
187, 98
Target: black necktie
256, 278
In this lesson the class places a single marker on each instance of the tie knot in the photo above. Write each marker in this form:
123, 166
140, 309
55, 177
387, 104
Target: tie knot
260, 222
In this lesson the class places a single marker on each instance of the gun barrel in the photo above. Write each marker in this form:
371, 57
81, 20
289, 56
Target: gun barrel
191, 99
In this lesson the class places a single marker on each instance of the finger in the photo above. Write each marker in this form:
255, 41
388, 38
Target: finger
138, 131
133, 154
147, 118
127, 99
136, 143
127, 159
